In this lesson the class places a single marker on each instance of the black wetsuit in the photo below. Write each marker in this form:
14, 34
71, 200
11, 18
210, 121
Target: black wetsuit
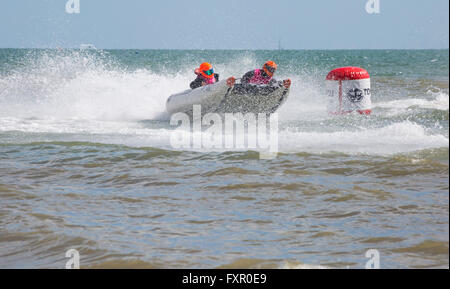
199, 81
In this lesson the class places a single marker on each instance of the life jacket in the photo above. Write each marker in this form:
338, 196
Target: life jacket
258, 77
211, 80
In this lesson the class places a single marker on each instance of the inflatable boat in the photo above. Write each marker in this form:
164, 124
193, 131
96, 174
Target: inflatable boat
220, 98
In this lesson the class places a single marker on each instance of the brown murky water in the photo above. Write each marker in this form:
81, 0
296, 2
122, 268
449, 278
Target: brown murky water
151, 208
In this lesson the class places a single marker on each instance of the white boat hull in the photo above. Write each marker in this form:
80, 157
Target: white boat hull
220, 98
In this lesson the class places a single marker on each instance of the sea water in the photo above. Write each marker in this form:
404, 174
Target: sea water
86, 163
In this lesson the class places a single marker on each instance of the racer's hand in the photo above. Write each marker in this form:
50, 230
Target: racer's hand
287, 83
231, 81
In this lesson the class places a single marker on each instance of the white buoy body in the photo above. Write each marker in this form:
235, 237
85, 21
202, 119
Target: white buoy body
348, 90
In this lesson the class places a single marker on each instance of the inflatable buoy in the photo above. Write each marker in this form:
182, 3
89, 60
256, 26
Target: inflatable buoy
348, 90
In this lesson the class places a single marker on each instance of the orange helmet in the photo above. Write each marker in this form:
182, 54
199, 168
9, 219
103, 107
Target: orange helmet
206, 70
270, 67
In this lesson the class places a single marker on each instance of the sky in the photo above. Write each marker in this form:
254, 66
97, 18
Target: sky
231, 24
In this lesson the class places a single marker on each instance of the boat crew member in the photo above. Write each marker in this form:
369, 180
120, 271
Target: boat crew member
264, 75
205, 76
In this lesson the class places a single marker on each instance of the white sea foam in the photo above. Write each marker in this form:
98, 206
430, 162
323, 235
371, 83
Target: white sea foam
391, 139
63, 88
438, 100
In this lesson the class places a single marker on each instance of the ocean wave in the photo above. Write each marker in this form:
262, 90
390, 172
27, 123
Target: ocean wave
395, 138
438, 100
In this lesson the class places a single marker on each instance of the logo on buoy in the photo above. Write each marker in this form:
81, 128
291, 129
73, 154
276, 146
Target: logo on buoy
355, 95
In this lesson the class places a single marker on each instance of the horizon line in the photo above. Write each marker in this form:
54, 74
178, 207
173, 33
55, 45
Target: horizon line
218, 49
